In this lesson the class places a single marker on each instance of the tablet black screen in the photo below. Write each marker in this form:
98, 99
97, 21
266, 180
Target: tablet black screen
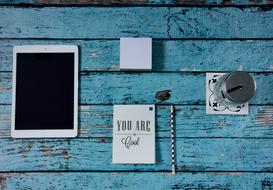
44, 91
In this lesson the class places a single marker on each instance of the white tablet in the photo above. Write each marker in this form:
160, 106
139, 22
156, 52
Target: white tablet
45, 91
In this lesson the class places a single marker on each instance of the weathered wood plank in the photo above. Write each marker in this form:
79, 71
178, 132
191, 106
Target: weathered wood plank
196, 154
135, 180
156, 22
178, 55
183, 22
191, 121
129, 87
137, 2
141, 87
85, 2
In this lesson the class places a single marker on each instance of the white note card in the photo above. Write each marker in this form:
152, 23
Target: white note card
135, 53
134, 134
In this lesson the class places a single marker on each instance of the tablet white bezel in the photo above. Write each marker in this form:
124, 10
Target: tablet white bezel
45, 133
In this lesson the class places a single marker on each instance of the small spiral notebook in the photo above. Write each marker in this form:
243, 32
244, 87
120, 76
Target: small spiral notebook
134, 134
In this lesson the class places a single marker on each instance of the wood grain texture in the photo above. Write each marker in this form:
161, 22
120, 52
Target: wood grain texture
168, 55
213, 152
124, 180
116, 88
155, 22
141, 87
137, 2
191, 121
225, 154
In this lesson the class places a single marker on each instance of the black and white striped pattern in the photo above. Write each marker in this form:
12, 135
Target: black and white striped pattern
172, 139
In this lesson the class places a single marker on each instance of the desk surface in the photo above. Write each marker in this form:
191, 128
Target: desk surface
213, 152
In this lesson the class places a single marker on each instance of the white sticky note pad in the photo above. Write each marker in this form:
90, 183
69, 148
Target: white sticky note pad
135, 53
134, 134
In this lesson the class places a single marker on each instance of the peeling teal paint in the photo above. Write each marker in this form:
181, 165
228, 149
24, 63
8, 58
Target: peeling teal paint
213, 152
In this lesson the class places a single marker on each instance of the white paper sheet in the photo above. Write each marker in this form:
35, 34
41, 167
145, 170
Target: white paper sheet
134, 134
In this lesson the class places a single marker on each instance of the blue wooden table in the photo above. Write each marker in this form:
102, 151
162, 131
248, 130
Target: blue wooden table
190, 38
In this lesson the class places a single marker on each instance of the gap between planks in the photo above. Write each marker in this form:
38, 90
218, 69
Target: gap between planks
159, 39
132, 171
157, 104
121, 5
157, 138
82, 73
